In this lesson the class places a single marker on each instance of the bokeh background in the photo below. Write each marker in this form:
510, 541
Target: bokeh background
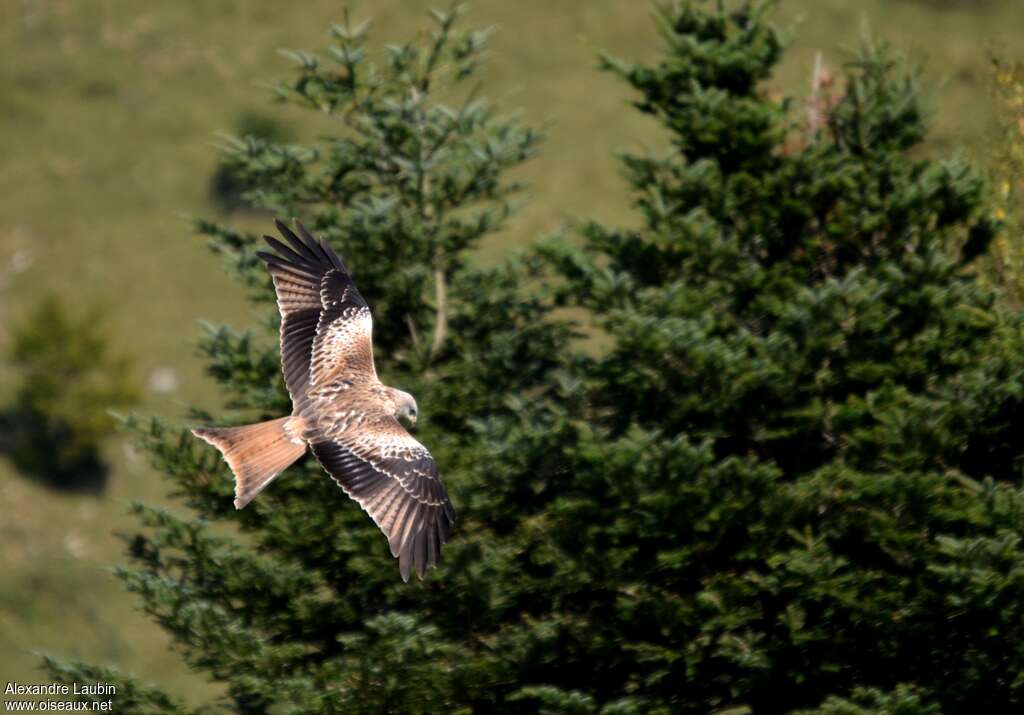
111, 112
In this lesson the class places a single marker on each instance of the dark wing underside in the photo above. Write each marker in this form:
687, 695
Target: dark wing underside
316, 297
395, 480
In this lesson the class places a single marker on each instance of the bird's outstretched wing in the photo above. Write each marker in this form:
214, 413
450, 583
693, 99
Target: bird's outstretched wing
325, 323
395, 480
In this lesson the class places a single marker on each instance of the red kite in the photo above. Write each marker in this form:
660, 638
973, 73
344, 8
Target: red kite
340, 409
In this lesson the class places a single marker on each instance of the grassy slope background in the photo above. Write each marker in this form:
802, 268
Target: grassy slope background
109, 111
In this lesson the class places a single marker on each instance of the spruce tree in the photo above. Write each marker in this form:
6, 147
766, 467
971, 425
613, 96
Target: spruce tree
300, 606
786, 479
807, 422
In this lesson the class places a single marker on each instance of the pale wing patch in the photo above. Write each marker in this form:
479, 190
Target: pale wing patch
343, 345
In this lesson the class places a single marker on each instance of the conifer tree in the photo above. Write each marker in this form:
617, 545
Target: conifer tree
305, 611
68, 379
808, 419
787, 480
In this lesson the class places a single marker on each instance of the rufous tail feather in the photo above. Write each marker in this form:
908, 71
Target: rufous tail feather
256, 453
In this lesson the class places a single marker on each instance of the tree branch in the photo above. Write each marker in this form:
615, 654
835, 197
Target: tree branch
441, 323
413, 333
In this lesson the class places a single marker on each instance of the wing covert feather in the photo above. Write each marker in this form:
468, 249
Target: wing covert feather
343, 344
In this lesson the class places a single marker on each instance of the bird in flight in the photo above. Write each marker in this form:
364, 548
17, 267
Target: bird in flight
340, 410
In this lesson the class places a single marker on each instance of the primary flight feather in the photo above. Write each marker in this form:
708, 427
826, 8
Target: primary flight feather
340, 410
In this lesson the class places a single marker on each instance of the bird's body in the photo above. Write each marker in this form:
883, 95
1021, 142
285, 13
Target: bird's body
328, 410
341, 410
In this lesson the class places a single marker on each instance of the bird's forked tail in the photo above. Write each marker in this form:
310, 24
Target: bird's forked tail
256, 453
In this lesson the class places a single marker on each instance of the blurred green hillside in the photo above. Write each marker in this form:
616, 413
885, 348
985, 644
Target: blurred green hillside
109, 116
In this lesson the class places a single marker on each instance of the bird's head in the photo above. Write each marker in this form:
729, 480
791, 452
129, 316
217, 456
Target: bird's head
405, 406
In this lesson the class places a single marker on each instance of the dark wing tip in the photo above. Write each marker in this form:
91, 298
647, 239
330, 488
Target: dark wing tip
300, 246
304, 232
333, 256
287, 255
422, 551
306, 249
412, 557
322, 246
405, 565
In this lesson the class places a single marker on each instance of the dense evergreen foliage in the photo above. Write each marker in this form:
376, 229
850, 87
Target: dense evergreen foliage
786, 480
